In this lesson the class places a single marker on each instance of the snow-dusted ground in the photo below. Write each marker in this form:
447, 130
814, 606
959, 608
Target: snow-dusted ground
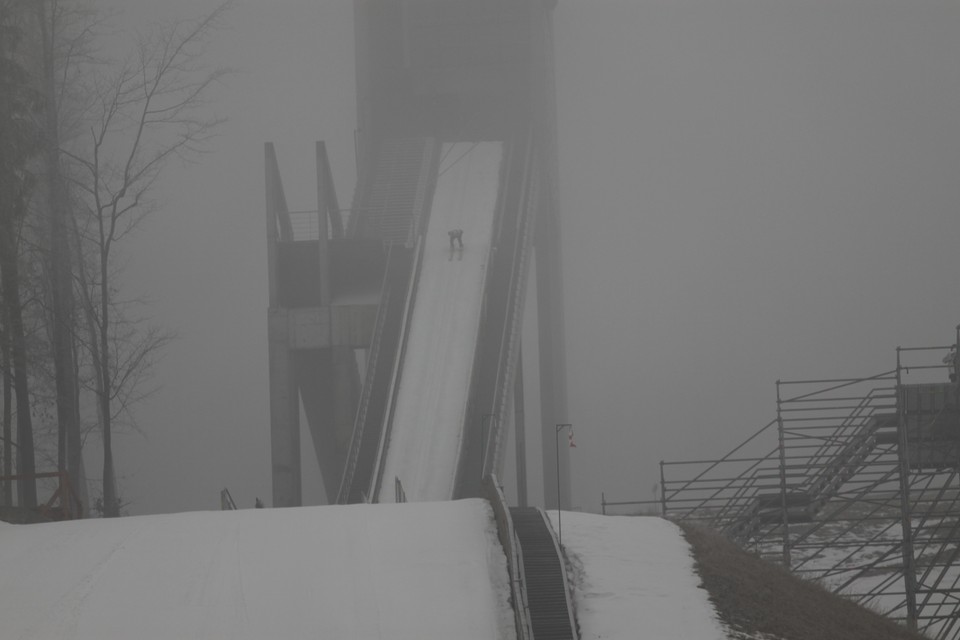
634, 578
427, 570
418, 570
432, 399
863, 560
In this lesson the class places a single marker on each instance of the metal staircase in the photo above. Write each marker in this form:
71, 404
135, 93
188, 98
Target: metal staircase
836, 460
827, 434
391, 202
861, 491
368, 426
551, 615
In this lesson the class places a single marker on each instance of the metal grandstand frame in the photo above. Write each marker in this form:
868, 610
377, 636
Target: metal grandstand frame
854, 484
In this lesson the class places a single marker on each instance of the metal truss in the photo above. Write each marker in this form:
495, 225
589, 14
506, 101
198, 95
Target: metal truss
853, 484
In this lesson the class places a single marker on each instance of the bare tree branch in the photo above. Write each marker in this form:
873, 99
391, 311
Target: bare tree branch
151, 108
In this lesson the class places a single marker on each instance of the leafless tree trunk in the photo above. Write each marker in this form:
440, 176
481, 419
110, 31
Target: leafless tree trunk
61, 277
6, 488
161, 91
9, 285
18, 103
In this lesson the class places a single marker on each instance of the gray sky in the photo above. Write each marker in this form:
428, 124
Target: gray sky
751, 190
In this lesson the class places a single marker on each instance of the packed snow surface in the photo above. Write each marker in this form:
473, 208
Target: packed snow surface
415, 570
429, 570
431, 405
634, 578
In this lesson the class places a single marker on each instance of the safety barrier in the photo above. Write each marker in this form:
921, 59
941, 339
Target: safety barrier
511, 547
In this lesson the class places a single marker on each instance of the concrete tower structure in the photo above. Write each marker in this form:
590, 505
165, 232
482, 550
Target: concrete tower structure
430, 75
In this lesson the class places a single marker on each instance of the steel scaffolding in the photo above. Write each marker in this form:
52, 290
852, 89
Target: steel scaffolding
853, 484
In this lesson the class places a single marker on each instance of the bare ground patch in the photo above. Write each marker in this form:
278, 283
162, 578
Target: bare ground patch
755, 598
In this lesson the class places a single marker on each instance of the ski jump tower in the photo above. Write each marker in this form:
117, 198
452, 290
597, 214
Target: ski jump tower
456, 126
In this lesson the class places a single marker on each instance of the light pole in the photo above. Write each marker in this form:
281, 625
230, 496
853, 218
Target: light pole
560, 427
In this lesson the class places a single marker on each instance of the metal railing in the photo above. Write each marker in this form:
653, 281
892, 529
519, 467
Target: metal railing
394, 387
511, 547
63, 502
373, 360
226, 500
861, 490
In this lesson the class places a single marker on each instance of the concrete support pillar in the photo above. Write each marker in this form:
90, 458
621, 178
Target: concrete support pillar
324, 189
553, 381
520, 434
284, 395
346, 396
284, 421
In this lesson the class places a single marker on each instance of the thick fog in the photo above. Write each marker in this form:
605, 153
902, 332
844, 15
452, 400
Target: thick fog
750, 191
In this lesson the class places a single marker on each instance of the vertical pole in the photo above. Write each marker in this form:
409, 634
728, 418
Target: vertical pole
520, 432
323, 224
953, 369
6, 486
906, 524
559, 521
663, 492
274, 206
559, 428
953, 372
783, 483
603, 503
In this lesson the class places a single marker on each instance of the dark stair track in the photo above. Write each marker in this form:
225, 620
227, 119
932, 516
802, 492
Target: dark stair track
544, 573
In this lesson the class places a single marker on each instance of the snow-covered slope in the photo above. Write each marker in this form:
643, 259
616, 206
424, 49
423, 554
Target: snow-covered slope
431, 402
634, 578
416, 570
428, 570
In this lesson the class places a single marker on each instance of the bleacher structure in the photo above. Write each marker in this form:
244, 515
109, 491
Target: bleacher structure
854, 484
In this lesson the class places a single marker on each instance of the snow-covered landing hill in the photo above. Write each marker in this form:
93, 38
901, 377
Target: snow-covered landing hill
416, 570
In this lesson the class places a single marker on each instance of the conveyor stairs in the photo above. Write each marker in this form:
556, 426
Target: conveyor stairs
551, 616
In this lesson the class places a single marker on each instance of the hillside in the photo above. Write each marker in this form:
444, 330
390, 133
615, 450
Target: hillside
757, 599
415, 570
424, 570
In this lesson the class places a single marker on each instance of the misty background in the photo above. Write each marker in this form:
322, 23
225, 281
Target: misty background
750, 190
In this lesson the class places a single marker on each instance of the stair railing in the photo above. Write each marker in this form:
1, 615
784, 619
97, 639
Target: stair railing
373, 357
397, 368
510, 339
511, 547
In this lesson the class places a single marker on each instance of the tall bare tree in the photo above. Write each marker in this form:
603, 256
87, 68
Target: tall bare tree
6, 487
56, 43
19, 141
149, 108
